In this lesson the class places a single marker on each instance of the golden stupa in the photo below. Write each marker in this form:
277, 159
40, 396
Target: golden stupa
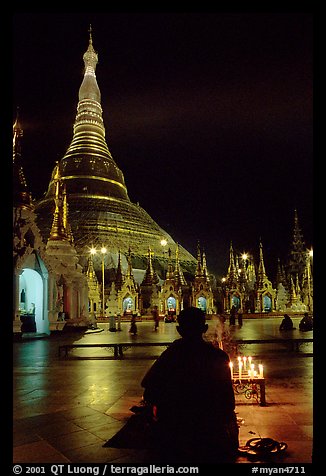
100, 212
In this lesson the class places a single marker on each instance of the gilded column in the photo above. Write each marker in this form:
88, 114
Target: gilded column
16, 314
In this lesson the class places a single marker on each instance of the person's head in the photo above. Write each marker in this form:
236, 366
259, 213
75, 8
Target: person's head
286, 316
191, 322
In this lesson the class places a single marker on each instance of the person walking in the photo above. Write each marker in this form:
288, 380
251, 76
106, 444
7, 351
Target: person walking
190, 389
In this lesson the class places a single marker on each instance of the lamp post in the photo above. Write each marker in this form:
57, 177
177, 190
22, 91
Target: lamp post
163, 243
103, 251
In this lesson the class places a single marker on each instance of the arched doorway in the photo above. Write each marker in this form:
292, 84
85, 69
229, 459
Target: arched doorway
171, 305
201, 303
128, 304
31, 304
267, 303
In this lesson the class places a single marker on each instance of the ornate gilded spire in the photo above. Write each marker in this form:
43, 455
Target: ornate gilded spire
90, 273
169, 272
150, 276
88, 164
178, 274
89, 88
232, 277
204, 267
58, 231
199, 267
100, 209
261, 266
297, 260
129, 277
279, 277
22, 197
17, 135
119, 276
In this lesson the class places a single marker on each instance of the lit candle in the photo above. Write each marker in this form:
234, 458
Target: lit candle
249, 373
231, 368
255, 373
261, 371
244, 363
240, 368
249, 360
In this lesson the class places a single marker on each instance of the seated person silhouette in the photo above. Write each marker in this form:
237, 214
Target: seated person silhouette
286, 324
191, 391
306, 323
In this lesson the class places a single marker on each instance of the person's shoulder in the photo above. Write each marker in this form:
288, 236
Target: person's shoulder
175, 345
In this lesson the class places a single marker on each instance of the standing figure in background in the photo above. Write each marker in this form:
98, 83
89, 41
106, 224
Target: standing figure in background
133, 326
233, 313
156, 317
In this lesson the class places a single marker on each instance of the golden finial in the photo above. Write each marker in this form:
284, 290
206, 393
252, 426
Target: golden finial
90, 34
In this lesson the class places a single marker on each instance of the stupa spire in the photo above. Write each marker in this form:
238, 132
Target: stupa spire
199, 264
178, 274
119, 276
100, 210
22, 197
204, 266
232, 276
88, 164
261, 266
150, 276
58, 231
169, 272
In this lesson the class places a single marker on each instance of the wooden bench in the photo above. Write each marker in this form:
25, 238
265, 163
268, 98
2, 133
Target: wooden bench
67, 347
126, 345
293, 344
117, 347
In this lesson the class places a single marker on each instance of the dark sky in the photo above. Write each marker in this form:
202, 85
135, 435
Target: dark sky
208, 115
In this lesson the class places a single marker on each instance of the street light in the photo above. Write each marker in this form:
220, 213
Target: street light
103, 250
164, 243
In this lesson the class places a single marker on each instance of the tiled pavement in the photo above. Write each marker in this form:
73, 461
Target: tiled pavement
65, 409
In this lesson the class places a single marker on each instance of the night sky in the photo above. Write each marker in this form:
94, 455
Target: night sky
208, 115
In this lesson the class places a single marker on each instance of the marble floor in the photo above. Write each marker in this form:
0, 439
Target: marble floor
64, 409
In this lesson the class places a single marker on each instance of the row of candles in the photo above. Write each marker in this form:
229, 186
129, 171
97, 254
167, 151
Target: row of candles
246, 369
